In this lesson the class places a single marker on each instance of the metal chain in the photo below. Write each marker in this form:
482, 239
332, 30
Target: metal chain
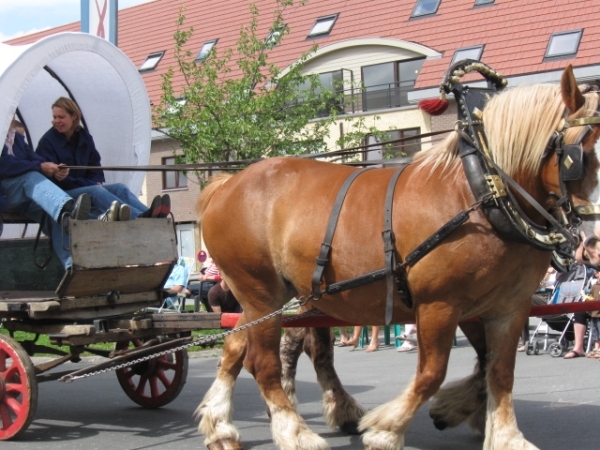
204, 340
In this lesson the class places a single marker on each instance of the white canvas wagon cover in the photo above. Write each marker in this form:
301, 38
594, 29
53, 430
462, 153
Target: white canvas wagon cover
99, 77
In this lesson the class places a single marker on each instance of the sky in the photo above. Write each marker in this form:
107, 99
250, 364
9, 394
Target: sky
21, 17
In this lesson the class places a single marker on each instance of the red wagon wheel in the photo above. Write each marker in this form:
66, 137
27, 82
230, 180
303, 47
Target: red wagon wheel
156, 382
18, 389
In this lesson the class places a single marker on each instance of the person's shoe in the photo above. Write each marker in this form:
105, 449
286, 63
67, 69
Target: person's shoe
165, 206
82, 207
124, 213
111, 214
521, 348
154, 209
77, 210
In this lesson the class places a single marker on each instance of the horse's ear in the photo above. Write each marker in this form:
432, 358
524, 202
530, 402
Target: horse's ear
571, 94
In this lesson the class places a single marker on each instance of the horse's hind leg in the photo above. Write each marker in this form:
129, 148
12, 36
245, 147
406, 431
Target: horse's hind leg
502, 336
290, 350
464, 400
387, 423
340, 409
216, 408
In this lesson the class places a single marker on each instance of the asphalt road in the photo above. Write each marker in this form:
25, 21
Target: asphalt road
557, 405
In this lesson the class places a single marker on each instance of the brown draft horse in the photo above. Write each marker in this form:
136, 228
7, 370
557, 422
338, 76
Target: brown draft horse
264, 227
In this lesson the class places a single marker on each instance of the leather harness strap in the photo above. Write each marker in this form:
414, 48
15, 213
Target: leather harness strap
389, 241
323, 257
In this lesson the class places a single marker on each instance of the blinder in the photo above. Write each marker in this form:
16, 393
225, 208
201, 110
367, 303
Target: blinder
571, 162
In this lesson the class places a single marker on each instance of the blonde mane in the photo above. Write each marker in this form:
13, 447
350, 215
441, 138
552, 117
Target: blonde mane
518, 124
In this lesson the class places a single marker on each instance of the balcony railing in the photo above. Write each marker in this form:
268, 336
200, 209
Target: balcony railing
371, 98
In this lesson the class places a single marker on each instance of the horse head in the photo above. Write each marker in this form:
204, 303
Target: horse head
544, 137
579, 164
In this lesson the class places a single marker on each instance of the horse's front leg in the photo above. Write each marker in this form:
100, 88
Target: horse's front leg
216, 408
387, 423
263, 361
465, 400
502, 336
340, 409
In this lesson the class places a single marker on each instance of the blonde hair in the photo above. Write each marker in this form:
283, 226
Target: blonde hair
71, 108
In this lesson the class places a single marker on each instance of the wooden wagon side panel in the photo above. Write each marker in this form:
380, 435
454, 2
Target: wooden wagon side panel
98, 245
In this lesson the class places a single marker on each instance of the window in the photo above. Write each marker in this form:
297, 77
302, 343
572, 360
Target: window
205, 50
425, 7
400, 149
483, 2
173, 180
151, 61
387, 85
564, 44
275, 35
323, 26
330, 82
468, 53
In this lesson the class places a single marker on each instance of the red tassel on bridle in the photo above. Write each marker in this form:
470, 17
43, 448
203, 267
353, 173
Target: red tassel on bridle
434, 106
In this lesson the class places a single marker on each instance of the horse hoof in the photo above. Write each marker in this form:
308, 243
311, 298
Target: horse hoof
438, 422
225, 444
350, 428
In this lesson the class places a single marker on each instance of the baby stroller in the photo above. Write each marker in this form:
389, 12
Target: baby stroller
570, 287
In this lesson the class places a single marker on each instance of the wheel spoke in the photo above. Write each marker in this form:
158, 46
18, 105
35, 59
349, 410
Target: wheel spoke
12, 374
5, 417
142, 385
14, 405
2, 361
162, 376
14, 388
154, 389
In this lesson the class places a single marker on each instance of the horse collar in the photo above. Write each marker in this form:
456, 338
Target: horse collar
487, 180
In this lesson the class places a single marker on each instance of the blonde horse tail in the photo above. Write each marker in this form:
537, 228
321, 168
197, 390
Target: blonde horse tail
209, 191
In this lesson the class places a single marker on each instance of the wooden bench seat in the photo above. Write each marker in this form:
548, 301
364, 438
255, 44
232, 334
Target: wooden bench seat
15, 217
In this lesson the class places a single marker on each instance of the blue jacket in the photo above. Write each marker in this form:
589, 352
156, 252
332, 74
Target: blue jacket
23, 160
80, 150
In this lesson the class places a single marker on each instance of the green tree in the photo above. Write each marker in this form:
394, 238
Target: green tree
220, 115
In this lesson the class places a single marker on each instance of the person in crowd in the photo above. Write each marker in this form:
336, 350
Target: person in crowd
26, 187
580, 324
70, 144
221, 299
344, 338
540, 298
409, 337
353, 341
177, 281
210, 276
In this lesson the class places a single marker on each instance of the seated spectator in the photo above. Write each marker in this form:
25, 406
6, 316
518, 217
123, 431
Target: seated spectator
176, 283
221, 299
210, 276
68, 143
26, 187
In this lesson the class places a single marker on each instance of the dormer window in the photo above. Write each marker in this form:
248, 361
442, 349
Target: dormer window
151, 61
323, 26
425, 7
563, 45
468, 53
483, 2
205, 50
